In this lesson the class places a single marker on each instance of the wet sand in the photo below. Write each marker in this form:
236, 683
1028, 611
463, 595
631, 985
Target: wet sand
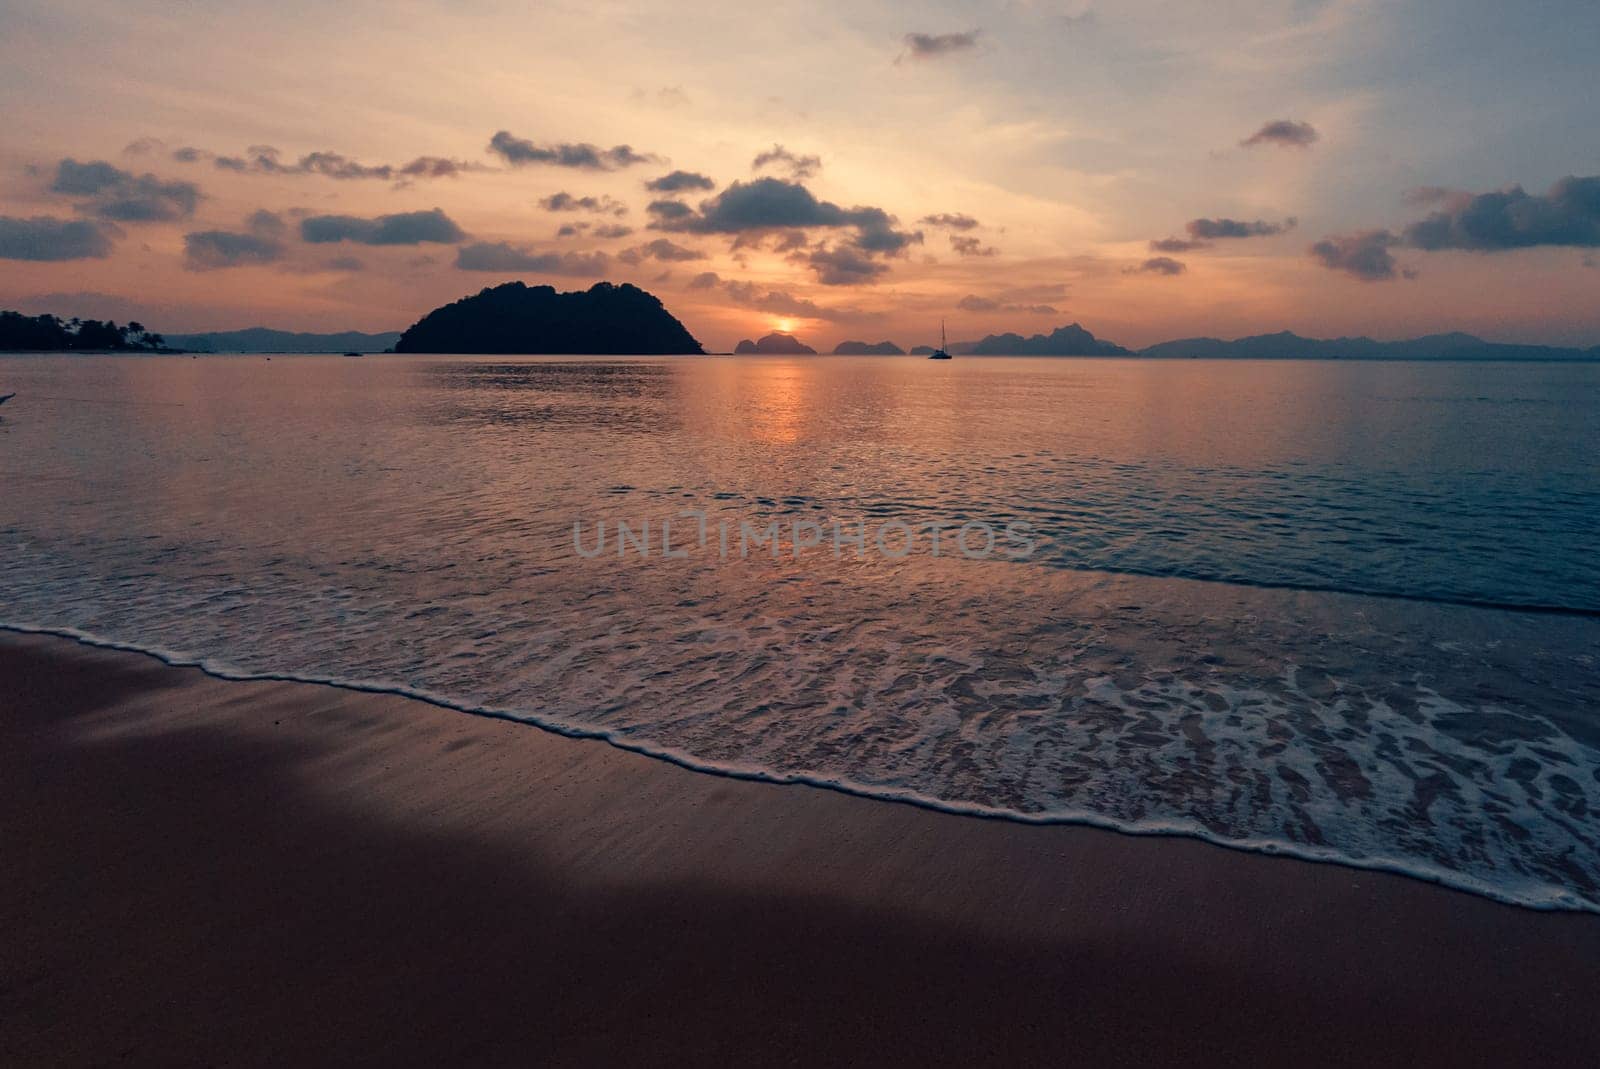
210, 872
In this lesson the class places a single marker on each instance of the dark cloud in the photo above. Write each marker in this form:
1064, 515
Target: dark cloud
1288, 132
844, 265
188, 154
1202, 232
1568, 215
1157, 265
143, 146
503, 256
950, 221
520, 152
612, 231
437, 167
566, 202
668, 212
1364, 255
87, 179
405, 228
46, 239
933, 45
1178, 245
970, 246
264, 159
769, 204
265, 223
660, 249
799, 167
112, 193
678, 181
705, 280
973, 303
1215, 229
211, 250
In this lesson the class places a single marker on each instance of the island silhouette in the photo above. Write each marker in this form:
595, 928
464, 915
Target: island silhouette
775, 344
516, 318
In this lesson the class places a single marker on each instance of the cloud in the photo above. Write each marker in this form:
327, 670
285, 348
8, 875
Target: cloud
973, 303
1178, 245
1568, 215
43, 238
843, 265
264, 159
143, 146
212, 250
503, 256
112, 193
660, 249
769, 204
405, 228
969, 246
934, 45
265, 223
1157, 265
950, 221
438, 167
799, 167
520, 152
678, 181
566, 202
775, 302
668, 213
1364, 255
780, 302
1214, 229
1202, 232
612, 231
1285, 132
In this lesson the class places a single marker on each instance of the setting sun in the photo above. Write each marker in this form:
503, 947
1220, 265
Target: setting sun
783, 326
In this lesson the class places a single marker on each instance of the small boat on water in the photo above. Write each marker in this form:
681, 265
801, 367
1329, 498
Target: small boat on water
943, 352
355, 354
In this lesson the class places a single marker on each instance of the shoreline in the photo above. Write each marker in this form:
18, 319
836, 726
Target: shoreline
677, 759
256, 872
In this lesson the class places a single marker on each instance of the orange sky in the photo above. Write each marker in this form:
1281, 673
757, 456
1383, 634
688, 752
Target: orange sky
1072, 135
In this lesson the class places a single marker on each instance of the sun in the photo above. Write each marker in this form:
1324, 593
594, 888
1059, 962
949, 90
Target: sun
783, 326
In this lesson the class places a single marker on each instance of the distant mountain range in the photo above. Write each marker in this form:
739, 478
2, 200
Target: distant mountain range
1070, 340
1288, 346
264, 340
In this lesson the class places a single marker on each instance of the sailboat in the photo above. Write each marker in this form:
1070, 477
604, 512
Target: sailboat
943, 352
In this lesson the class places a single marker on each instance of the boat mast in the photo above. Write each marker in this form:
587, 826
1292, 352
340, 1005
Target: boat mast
942, 344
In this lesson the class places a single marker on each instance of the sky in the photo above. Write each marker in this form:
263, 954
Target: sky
859, 170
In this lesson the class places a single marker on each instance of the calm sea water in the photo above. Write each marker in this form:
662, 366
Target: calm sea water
1343, 611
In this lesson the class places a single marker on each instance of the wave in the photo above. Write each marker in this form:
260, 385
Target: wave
1527, 893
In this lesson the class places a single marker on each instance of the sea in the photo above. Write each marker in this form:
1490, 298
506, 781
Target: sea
1341, 611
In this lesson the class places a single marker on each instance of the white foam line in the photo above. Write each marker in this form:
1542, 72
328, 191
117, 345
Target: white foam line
1544, 898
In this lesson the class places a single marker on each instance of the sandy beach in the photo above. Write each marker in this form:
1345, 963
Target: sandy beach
213, 872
